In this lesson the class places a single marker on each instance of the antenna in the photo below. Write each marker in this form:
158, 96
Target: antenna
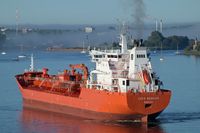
156, 25
161, 26
32, 63
17, 20
123, 40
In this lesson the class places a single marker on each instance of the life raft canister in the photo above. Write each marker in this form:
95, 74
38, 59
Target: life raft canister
146, 77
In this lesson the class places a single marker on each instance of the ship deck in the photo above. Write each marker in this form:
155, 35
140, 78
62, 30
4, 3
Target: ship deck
57, 91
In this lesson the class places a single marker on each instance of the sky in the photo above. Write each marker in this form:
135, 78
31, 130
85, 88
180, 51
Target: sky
96, 11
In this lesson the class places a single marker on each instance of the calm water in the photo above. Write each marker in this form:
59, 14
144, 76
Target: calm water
179, 73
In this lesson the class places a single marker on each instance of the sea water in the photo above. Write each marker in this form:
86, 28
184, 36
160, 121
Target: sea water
179, 73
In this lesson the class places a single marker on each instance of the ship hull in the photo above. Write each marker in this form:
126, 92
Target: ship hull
99, 105
87, 114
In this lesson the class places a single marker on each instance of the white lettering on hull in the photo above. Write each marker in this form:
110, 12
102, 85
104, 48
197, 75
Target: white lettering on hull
148, 100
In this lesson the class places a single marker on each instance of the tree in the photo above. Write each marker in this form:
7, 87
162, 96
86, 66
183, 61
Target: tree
154, 40
171, 42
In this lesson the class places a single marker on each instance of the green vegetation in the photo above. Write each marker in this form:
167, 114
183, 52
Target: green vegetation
155, 40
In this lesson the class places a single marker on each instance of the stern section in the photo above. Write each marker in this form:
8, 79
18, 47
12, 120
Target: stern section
149, 104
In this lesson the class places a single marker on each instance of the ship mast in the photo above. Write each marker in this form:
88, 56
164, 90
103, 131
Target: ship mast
32, 63
123, 40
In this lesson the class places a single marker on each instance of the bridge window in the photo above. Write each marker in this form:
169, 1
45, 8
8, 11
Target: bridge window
123, 82
119, 56
131, 56
112, 56
97, 56
140, 55
127, 82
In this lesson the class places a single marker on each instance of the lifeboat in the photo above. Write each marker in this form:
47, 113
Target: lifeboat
146, 77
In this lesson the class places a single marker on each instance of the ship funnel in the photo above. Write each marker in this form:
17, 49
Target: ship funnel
141, 42
138, 43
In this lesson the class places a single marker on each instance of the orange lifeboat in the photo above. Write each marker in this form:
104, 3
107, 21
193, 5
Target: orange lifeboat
146, 77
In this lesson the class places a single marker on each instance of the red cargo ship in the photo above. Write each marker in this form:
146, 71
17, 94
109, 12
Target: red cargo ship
122, 87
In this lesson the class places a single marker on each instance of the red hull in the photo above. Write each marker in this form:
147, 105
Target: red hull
78, 111
96, 104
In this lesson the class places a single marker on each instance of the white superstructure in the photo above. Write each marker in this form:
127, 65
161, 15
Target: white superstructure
123, 70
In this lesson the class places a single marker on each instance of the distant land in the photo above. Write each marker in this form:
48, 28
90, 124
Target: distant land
73, 49
69, 36
157, 41
154, 42
193, 48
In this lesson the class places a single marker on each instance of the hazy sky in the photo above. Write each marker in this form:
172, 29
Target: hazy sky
95, 11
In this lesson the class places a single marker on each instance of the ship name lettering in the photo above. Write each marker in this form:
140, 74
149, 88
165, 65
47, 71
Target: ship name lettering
148, 98
152, 98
